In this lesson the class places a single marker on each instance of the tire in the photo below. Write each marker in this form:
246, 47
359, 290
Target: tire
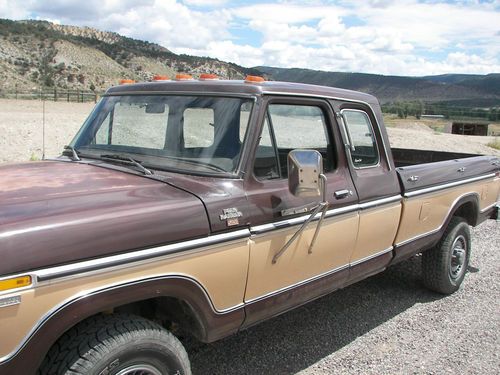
444, 266
116, 345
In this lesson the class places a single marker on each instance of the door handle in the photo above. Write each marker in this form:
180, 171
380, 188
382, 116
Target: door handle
341, 194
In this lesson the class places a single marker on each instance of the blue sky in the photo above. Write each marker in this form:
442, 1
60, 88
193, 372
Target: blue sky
406, 37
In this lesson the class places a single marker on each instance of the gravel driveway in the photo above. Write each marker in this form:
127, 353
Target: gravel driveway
387, 324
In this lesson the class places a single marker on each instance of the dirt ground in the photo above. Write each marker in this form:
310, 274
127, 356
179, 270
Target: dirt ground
21, 130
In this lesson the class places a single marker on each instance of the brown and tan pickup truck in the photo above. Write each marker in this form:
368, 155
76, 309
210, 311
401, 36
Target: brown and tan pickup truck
207, 206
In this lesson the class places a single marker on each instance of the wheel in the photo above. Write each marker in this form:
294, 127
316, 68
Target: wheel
116, 345
445, 265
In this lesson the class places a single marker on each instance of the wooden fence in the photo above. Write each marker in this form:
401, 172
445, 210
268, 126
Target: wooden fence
56, 95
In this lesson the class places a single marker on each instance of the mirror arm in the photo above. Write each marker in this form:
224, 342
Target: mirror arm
301, 229
322, 207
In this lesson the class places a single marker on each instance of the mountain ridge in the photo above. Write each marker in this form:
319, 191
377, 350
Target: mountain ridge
390, 88
36, 54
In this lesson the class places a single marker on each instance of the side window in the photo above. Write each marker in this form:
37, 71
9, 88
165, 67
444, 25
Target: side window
245, 110
365, 153
266, 162
295, 127
198, 127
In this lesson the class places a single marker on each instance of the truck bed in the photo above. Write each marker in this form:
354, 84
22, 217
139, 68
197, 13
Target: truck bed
404, 157
419, 169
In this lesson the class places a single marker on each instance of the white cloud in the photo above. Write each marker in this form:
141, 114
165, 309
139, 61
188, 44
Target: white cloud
205, 3
13, 10
406, 37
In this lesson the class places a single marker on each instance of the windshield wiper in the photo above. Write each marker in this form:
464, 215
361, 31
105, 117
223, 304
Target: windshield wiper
73, 154
196, 162
127, 160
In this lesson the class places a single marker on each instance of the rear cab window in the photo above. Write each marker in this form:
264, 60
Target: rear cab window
364, 150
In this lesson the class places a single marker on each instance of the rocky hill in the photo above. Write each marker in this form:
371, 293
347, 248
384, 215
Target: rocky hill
40, 53
34, 53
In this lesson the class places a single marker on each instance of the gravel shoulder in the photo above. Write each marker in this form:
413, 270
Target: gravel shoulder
387, 324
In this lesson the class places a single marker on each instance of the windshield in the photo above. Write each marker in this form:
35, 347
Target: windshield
199, 134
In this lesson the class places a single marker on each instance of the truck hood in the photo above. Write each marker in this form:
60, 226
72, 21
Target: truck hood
55, 212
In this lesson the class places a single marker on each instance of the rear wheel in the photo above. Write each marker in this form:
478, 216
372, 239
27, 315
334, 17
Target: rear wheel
445, 265
117, 345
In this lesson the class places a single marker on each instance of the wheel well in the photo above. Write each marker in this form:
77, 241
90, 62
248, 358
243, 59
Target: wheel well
468, 211
172, 313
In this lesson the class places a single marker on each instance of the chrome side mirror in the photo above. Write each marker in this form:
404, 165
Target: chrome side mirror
306, 179
304, 169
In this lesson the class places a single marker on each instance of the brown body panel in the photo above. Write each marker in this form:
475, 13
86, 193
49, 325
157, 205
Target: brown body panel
58, 212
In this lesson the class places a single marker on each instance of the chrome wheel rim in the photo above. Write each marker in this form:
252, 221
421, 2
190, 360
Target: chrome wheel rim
458, 257
141, 369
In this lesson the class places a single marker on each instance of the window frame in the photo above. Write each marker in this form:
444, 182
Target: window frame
374, 137
327, 111
101, 109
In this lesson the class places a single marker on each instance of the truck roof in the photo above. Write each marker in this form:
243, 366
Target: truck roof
241, 87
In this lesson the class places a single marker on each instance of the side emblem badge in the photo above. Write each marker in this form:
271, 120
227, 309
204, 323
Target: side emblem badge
231, 216
9, 301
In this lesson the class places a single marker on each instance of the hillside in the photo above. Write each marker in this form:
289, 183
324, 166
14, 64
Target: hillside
460, 88
39, 52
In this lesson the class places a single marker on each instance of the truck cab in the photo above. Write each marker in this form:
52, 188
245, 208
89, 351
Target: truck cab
213, 205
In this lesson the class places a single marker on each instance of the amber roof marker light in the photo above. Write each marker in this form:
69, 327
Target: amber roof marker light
183, 77
126, 81
208, 77
254, 79
159, 77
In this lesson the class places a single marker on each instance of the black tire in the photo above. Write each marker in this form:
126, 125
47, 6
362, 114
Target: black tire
116, 344
444, 266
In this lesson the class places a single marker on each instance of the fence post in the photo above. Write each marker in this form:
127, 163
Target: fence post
67, 93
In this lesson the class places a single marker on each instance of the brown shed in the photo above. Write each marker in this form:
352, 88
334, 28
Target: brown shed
469, 128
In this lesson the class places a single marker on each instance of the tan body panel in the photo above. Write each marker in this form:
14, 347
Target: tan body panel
377, 230
204, 265
428, 212
332, 250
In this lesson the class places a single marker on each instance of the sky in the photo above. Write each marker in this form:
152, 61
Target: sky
405, 37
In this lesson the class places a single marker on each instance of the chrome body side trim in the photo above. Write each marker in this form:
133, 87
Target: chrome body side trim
448, 185
295, 285
124, 259
259, 229
489, 207
418, 237
380, 202
370, 257
317, 277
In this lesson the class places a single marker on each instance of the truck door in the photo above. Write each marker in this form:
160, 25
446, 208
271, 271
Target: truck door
376, 183
300, 273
